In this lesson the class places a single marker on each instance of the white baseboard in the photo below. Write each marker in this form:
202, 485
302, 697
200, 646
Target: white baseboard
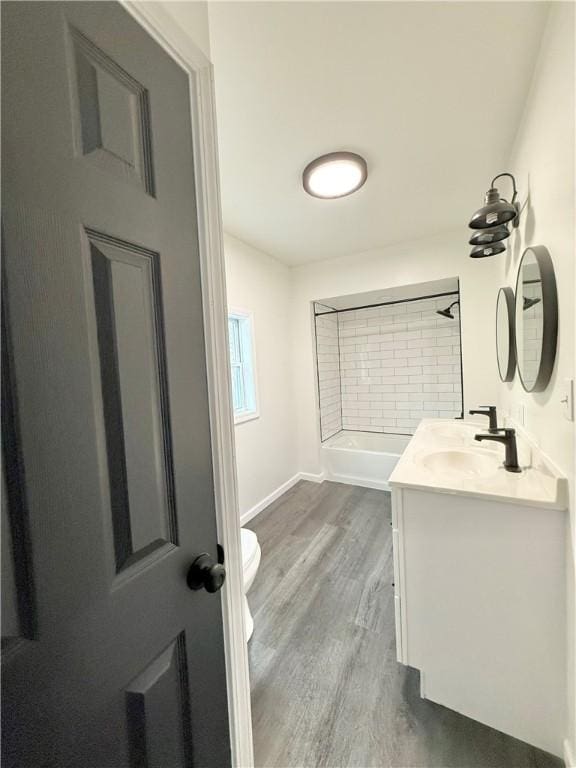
569, 755
378, 485
312, 478
319, 478
265, 502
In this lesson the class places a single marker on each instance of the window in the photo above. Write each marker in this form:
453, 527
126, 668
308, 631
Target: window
240, 333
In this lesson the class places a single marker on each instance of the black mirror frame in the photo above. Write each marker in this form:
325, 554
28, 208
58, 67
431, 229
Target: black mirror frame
511, 309
549, 316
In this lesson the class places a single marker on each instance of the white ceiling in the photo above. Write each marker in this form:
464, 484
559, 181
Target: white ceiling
429, 93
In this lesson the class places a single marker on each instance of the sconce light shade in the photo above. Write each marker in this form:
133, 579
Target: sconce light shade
492, 235
482, 251
495, 211
491, 221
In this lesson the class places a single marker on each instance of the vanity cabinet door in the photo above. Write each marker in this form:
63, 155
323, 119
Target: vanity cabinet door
482, 592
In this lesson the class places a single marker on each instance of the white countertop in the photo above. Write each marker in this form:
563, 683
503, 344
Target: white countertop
420, 467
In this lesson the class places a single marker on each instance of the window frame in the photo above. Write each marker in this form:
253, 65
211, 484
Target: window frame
246, 319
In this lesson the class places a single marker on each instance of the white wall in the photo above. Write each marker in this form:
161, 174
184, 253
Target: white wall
432, 258
543, 162
266, 446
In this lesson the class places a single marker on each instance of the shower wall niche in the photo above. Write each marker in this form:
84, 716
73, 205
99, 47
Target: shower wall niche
388, 359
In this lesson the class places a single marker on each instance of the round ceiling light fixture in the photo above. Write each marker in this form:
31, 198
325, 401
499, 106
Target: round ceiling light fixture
336, 174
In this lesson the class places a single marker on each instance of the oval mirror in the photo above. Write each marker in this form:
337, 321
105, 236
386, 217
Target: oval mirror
505, 344
536, 316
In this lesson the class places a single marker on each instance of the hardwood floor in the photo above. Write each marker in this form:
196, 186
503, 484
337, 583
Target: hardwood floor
326, 687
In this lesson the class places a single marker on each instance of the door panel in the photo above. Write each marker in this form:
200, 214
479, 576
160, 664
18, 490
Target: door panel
18, 617
126, 665
113, 114
157, 711
130, 330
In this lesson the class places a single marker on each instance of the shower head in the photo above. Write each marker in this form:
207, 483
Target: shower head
528, 302
448, 311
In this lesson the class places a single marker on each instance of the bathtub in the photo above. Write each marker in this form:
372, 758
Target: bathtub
362, 458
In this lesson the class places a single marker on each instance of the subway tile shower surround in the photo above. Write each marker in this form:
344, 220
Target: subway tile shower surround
328, 375
532, 335
399, 363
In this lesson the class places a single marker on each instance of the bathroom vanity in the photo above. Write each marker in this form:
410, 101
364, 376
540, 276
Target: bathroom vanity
479, 580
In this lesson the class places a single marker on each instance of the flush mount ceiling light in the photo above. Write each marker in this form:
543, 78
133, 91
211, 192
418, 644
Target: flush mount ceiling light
335, 175
492, 220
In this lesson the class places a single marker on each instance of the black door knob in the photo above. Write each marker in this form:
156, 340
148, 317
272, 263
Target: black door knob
204, 572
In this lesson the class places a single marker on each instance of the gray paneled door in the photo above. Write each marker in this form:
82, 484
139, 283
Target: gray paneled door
109, 658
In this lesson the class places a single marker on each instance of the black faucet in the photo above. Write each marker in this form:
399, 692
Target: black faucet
509, 439
490, 411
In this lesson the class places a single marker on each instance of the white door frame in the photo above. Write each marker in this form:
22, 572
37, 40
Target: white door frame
171, 37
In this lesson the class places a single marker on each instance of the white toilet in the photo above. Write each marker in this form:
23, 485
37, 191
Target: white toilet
251, 554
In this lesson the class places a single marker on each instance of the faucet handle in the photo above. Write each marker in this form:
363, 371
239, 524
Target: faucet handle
491, 412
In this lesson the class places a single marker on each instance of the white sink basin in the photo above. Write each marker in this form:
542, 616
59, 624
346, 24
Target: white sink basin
443, 457
461, 463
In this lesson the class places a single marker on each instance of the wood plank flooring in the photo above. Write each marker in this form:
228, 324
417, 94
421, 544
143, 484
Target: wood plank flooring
326, 688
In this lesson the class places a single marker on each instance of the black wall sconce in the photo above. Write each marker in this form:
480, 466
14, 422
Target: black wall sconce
491, 222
